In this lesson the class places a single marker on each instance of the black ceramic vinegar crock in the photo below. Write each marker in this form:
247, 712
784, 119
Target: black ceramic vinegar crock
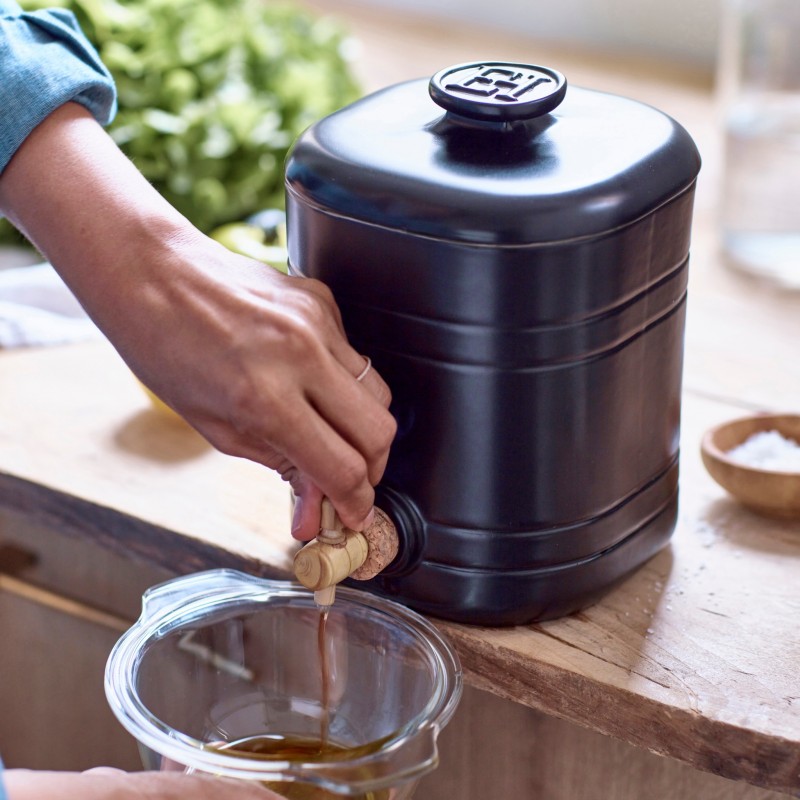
512, 254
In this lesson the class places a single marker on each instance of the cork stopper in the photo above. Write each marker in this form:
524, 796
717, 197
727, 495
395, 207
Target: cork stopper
338, 553
382, 546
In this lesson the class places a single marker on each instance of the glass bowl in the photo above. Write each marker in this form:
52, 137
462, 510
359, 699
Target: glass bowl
233, 675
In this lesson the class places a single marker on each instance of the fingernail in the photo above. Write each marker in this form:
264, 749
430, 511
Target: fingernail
368, 520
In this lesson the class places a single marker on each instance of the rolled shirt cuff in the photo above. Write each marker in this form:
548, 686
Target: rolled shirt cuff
3, 795
46, 61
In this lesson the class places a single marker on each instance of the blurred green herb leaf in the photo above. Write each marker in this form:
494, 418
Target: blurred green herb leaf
212, 93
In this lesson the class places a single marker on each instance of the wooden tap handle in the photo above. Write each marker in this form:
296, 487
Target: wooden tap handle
338, 552
382, 546
331, 530
321, 564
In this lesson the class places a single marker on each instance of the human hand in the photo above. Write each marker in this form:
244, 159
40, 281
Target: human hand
112, 784
256, 361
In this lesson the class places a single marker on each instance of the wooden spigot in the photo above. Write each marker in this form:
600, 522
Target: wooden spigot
339, 552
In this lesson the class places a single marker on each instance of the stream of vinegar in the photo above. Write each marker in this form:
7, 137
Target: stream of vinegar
325, 678
293, 748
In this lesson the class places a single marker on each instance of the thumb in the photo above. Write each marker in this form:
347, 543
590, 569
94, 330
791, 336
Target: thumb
307, 509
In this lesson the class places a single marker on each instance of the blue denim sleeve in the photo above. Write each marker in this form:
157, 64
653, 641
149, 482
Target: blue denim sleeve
46, 61
2, 785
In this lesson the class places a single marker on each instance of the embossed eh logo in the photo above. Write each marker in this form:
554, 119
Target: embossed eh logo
503, 85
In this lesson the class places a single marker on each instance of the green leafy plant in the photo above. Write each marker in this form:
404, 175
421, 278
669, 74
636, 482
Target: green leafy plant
212, 93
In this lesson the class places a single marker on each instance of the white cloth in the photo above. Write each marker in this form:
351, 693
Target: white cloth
37, 308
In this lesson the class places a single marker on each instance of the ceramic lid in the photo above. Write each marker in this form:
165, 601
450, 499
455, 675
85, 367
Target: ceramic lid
493, 153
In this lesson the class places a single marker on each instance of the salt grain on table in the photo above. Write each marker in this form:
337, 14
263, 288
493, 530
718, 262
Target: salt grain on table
768, 450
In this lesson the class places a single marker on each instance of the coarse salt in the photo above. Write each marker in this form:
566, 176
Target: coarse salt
768, 450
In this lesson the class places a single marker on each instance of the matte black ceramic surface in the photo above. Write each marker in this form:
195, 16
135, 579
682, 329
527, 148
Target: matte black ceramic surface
521, 285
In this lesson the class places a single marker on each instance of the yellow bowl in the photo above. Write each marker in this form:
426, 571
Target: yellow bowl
770, 492
158, 404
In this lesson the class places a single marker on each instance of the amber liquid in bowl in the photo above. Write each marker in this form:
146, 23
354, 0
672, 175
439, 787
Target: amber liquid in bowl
294, 748
274, 747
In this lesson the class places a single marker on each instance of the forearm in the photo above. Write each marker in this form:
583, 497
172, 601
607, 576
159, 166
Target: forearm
88, 209
256, 360
26, 785
110, 784
129, 257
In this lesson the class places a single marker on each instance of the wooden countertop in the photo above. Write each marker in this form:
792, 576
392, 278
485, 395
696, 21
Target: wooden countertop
696, 656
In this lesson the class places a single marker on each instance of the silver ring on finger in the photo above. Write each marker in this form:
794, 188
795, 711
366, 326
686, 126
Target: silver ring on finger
367, 367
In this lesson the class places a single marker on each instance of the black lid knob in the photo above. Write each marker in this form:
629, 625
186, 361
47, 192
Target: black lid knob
498, 91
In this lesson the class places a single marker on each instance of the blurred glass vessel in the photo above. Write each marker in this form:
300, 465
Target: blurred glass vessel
759, 83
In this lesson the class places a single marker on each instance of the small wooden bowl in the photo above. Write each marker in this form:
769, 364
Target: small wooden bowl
776, 494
